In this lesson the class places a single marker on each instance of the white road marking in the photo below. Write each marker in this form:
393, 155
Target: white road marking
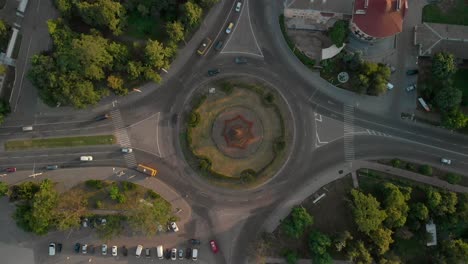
134, 124
253, 33
157, 135
222, 27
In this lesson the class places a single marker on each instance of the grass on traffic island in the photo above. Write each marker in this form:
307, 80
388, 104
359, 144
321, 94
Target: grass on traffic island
226, 171
60, 142
446, 12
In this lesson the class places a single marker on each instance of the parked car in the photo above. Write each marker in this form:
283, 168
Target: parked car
84, 248
240, 60
85, 222
389, 86
127, 150
213, 72
411, 88
446, 161
229, 28
238, 6
204, 46
174, 254
213, 246
412, 72
195, 254
104, 249
52, 249
147, 252
188, 253
77, 247
114, 251
52, 167
167, 253
219, 45
194, 241
181, 254
174, 227
10, 169
58, 247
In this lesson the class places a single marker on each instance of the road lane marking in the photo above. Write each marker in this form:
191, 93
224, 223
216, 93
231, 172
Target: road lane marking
253, 33
22, 76
222, 28
157, 135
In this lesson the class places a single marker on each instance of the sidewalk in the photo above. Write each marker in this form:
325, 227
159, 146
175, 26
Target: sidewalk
271, 260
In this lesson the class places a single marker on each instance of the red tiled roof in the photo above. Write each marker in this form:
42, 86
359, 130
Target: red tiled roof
381, 18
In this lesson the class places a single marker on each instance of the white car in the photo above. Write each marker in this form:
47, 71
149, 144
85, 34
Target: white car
52, 249
174, 254
411, 88
114, 251
446, 161
238, 6
84, 248
104, 249
174, 227
127, 150
86, 158
229, 28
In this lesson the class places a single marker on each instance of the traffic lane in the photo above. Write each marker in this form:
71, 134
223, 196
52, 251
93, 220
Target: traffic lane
58, 130
63, 157
374, 147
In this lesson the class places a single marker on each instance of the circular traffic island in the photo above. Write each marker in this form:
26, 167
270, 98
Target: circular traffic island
235, 134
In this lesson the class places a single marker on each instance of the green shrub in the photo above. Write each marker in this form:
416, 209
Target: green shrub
410, 166
227, 87
23, 191
152, 194
194, 119
290, 256
98, 204
128, 186
97, 184
268, 99
204, 164
3, 189
426, 170
396, 163
248, 175
121, 198
453, 178
114, 192
188, 138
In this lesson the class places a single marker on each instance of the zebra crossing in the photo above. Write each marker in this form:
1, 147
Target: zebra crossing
348, 114
122, 137
377, 133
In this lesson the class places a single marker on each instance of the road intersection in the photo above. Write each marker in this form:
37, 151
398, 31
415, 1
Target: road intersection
351, 127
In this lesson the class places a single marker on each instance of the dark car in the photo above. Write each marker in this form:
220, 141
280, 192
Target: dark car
124, 251
219, 45
412, 72
213, 72
77, 247
102, 117
52, 167
188, 253
194, 241
167, 254
59, 247
240, 60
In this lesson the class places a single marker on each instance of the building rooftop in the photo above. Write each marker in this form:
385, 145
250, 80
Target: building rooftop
434, 38
332, 6
380, 18
431, 229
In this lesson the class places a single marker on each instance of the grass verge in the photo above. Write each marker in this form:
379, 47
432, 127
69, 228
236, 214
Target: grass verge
456, 14
60, 142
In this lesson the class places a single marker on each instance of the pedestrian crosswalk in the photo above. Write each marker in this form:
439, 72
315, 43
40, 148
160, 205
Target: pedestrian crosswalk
348, 114
122, 137
377, 133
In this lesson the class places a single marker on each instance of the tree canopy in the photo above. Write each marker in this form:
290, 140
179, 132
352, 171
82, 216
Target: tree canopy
192, 14
443, 65
359, 254
105, 14
448, 99
318, 246
295, 225
395, 204
366, 211
382, 238
339, 32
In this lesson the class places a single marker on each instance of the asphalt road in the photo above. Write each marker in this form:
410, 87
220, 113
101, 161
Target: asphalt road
236, 217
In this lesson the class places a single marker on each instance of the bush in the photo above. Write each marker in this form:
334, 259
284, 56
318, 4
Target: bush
98, 204
3, 189
97, 184
227, 87
23, 191
268, 99
152, 194
194, 119
204, 164
128, 186
426, 170
410, 166
339, 32
452, 178
248, 175
396, 163
290, 256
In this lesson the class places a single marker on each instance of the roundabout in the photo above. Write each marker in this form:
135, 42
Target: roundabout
235, 132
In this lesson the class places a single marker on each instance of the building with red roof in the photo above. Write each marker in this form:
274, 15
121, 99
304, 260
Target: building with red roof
377, 19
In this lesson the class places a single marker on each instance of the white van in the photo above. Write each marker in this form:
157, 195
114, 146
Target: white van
52, 249
160, 251
86, 158
389, 86
194, 254
28, 128
139, 249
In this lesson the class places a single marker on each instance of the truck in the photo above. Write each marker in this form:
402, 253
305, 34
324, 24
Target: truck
204, 46
146, 170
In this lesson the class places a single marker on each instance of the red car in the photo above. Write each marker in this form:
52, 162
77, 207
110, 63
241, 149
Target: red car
214, 247
12, 169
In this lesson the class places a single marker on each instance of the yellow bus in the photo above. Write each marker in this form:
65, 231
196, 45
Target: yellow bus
147, 170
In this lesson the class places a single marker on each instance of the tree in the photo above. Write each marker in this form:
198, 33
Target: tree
441, 203
420, 211
3, 189
443, 65
382, 238
290, 256
175, 31
455, 251
433, 199
426, 170
116, 84
318, 246
295, 225
103, 13
366, 211
71, 206
462, 207
207, 3
146, 217
192, 14
339, 32
448, 99
453, 178
156, 55
454, 119
341, 240
359, 254
135, 69
395, 204
64, 7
